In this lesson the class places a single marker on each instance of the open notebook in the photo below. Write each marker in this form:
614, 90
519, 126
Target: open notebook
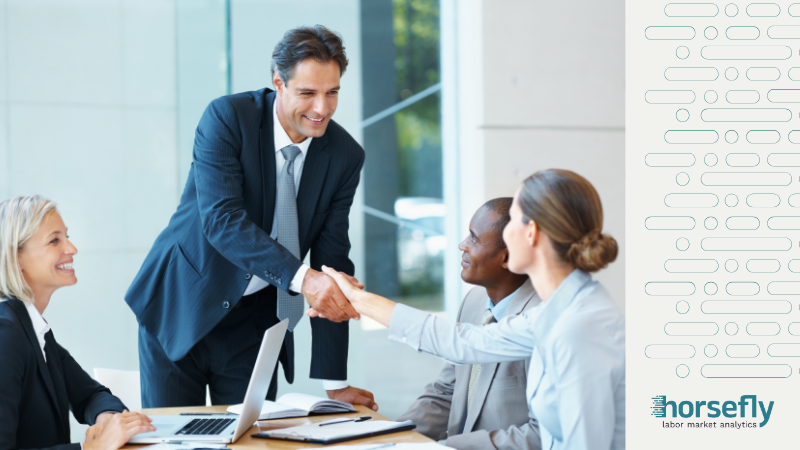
298, 405
319, 433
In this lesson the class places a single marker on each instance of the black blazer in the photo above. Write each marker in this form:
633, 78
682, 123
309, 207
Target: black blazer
36, 397
200, 265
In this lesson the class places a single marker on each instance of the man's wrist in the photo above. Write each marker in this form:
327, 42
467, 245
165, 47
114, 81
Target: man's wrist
297, 281
334, 385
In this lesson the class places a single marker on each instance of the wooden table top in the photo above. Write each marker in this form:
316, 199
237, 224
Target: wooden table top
248, 442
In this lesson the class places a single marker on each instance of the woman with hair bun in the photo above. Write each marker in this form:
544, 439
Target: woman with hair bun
575, 337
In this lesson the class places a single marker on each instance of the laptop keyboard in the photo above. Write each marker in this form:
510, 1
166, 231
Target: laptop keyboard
205, 426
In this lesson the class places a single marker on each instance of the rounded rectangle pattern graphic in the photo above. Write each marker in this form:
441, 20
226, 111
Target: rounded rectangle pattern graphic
784, 350
742, 223
763, 73
746, 307
746, 115
746, 370
691, 10
749, 52
794, 266
691, 328
763, 10
784, 159
691, 265
784, 32
669, 223
691, 73
763, 200
742, 159
742, 33
784, 223
742, 350
746, 178
742, 288
794, 328
676, 97
763, 265
669, 351
692, 200
784, 288
783, 95
666, 288
763, 328
763, 137
742, 97
669, 159
745, 244
669, 33
691, 136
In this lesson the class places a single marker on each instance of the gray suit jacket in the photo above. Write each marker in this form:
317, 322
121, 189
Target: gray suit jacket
499, 417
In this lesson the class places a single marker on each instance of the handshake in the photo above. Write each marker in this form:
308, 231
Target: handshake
337, 296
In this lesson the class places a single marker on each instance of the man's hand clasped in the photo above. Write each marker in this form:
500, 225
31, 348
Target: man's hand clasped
325, 296
345, 285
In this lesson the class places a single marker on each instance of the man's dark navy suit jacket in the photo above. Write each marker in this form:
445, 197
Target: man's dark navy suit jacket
37, 396
218, 238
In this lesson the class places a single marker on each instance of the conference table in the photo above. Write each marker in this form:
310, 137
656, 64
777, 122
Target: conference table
248, 442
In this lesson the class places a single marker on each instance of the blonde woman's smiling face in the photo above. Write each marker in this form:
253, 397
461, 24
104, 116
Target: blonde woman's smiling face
46, 258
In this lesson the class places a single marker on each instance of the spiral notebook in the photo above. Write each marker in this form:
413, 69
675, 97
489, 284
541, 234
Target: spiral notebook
334, 433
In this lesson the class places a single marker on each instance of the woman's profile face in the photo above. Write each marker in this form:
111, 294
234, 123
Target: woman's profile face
515, 235
46, 259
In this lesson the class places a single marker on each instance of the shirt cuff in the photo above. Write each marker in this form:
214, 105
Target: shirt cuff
297, 282
332, 385
406, 325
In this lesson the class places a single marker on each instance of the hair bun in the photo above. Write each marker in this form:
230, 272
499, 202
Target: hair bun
593, 252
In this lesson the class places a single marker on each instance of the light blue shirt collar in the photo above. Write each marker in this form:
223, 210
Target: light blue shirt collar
561, 298
500, 308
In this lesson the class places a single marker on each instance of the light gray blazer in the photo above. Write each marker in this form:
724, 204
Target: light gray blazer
500, 417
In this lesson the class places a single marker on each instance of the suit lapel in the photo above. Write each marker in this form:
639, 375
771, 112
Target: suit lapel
521, 300
268, 170
27, 325
474, 316
315, 167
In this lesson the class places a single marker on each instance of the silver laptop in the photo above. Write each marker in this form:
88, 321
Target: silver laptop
223, 428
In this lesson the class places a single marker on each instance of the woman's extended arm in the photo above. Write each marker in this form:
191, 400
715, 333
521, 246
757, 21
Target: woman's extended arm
509, 340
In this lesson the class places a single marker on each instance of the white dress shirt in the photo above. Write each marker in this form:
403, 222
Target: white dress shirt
40, 326
282, 139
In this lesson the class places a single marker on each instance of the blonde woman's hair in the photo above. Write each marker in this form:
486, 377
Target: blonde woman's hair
567, 208
20, 217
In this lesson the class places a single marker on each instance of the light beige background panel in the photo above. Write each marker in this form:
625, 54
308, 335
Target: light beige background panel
541, 86
648, 250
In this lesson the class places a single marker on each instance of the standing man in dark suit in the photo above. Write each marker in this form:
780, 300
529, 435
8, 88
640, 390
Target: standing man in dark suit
272, 178
483, 406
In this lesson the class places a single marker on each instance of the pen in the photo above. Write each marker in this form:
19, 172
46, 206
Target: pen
206, 414
391, 444
357, 419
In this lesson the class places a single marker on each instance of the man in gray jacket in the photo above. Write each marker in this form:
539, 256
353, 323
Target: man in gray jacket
483, 406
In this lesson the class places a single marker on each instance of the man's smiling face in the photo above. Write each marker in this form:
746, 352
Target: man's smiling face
307, 101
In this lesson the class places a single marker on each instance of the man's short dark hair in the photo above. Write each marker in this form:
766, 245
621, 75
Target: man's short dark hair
501, 207
317, 42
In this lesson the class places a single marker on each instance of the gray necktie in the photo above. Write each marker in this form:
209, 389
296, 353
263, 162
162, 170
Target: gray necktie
290, 307
487, 318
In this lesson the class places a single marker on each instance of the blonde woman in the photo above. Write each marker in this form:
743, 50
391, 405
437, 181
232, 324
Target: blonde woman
575, 339
39, 381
